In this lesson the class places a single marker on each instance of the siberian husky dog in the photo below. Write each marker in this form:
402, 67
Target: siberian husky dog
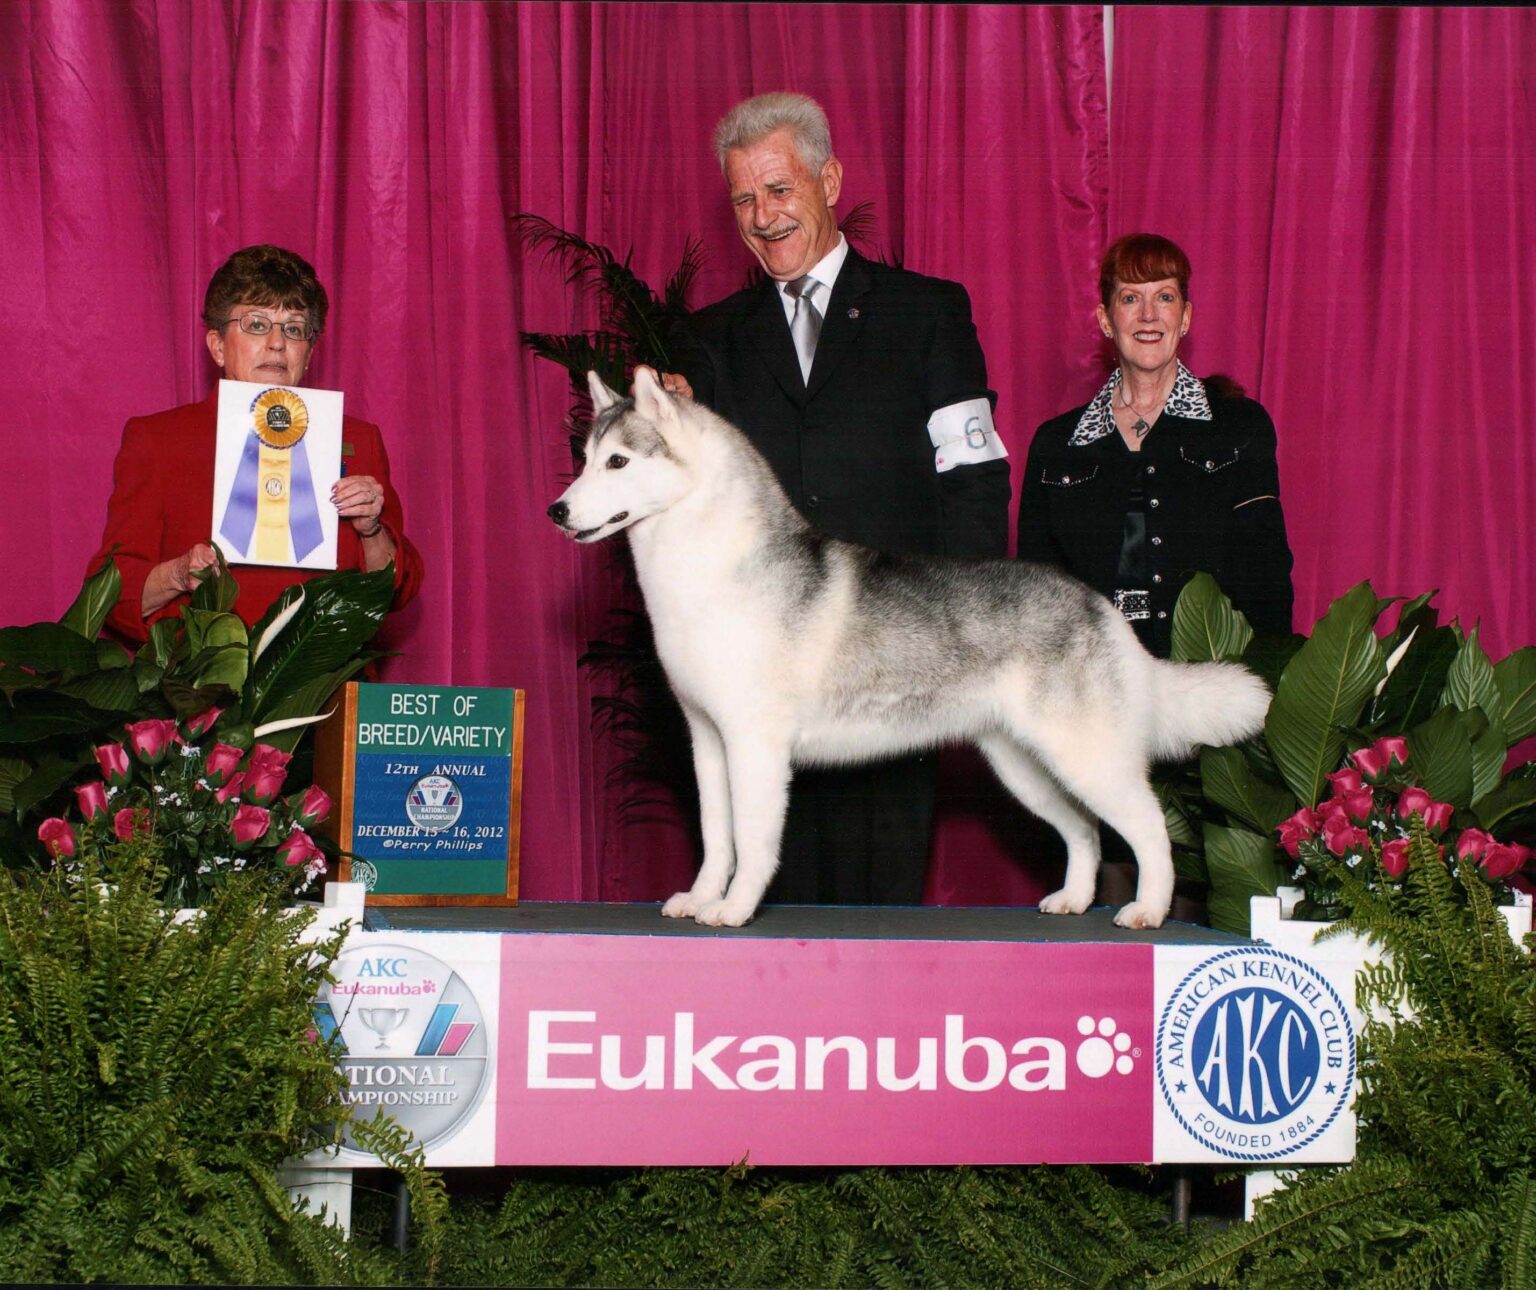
789, 648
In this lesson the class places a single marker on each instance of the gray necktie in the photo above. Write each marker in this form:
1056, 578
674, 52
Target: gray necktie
805, 326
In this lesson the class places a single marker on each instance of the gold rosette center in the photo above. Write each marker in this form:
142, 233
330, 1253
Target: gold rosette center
279, 418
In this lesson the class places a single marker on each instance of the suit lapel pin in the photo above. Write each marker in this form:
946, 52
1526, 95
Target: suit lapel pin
854, 312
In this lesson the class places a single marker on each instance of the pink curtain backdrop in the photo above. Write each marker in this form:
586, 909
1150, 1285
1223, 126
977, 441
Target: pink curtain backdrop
1355, 187
1348, 184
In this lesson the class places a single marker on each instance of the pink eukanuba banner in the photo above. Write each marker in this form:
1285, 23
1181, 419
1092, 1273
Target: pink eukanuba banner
822, 1052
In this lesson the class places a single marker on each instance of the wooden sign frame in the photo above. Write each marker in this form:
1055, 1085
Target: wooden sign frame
337, 747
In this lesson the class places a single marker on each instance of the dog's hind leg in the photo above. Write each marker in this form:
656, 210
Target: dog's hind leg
714, 819
758, 767
1024, 777
1093, 763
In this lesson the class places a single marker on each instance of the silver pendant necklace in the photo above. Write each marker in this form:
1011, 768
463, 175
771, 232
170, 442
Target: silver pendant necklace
1141, 425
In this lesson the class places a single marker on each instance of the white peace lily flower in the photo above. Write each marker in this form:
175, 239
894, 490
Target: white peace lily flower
1394, 659
272, 727
275, 627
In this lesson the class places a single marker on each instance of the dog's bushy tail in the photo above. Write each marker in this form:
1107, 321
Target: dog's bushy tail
1204, 703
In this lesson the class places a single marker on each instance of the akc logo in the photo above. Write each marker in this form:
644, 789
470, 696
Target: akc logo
411, 1038
1255, 1053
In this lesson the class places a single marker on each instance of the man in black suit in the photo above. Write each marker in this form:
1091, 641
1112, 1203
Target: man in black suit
865, 388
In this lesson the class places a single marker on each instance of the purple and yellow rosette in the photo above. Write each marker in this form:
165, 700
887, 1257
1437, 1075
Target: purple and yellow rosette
273, 500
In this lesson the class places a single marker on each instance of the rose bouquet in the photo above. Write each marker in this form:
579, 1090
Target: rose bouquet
1364, 827
208, 808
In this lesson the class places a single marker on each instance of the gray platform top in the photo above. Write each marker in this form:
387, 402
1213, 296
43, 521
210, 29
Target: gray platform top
797, 922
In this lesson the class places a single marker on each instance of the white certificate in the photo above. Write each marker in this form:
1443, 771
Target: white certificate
277, 458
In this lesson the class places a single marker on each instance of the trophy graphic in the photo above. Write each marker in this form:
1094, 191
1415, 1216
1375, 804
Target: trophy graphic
383, 1021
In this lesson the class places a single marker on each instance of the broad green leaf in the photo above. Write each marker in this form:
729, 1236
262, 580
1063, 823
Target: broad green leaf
100, 592
1440, 757
1267, 655
160, 648
1516, 678
1509, 798
1322, 691
1489, 748
1205, 625
1242, 865
147, 674
1181, 829
341, 613
212, 629
310, 699
49, 648
1418, 614
110, 656
12, 772
1189, 864
49, 775
227, 665
1470, 684
1229, 781
1412, 692
113, 691
36, 715
216, 590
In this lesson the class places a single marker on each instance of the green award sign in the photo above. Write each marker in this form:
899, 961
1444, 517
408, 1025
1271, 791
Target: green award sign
428, 784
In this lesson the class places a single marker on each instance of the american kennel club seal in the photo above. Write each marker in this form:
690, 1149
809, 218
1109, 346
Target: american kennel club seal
1255, 1054
412, 1038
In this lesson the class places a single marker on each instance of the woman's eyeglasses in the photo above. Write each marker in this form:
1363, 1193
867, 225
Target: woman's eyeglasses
261, 325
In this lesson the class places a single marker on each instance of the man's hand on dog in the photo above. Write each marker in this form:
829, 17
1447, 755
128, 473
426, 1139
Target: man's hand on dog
672, 382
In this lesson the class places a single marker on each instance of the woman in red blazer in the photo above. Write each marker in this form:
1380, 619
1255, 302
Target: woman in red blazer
264, 310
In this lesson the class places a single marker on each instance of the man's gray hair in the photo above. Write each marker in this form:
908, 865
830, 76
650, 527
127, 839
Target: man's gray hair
754, 118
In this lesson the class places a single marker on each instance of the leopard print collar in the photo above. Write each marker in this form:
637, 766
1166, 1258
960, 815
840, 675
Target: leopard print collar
1187, 399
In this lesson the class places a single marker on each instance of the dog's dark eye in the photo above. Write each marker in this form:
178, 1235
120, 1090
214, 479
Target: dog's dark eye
617, 462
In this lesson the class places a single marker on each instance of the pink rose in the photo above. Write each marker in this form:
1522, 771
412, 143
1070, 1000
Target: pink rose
1394, 858
131, 820
115, 766
1341, 837
91, 799
221, 762
262, 786
313, 807
1503, 860
231, 787
266, 757
298, 848
1357, 805
1345, 781
264, 774
1297, 829
151, 740
196, 727
249, 825
1438, 818
55, 834
1375, 761
1415, 801
1472, 843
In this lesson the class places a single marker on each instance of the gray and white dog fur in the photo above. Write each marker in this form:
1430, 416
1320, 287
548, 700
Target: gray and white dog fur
789, 648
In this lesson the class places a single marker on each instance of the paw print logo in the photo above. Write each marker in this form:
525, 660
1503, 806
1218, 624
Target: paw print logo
1105, 1048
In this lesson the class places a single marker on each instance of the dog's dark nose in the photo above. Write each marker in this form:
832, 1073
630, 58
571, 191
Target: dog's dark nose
558, 512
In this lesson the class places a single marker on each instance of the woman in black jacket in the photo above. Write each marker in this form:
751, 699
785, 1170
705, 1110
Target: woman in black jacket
1161, 475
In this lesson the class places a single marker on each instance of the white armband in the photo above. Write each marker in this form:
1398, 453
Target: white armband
963, 434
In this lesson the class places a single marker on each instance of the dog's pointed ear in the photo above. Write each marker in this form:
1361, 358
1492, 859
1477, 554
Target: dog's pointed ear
651, 401
602, 397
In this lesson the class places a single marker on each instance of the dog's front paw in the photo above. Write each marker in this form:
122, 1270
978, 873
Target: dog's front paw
683, 905
1066, 901
724, 913
1141, 914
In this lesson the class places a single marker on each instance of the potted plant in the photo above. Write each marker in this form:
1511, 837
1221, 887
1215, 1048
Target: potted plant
1344, 685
